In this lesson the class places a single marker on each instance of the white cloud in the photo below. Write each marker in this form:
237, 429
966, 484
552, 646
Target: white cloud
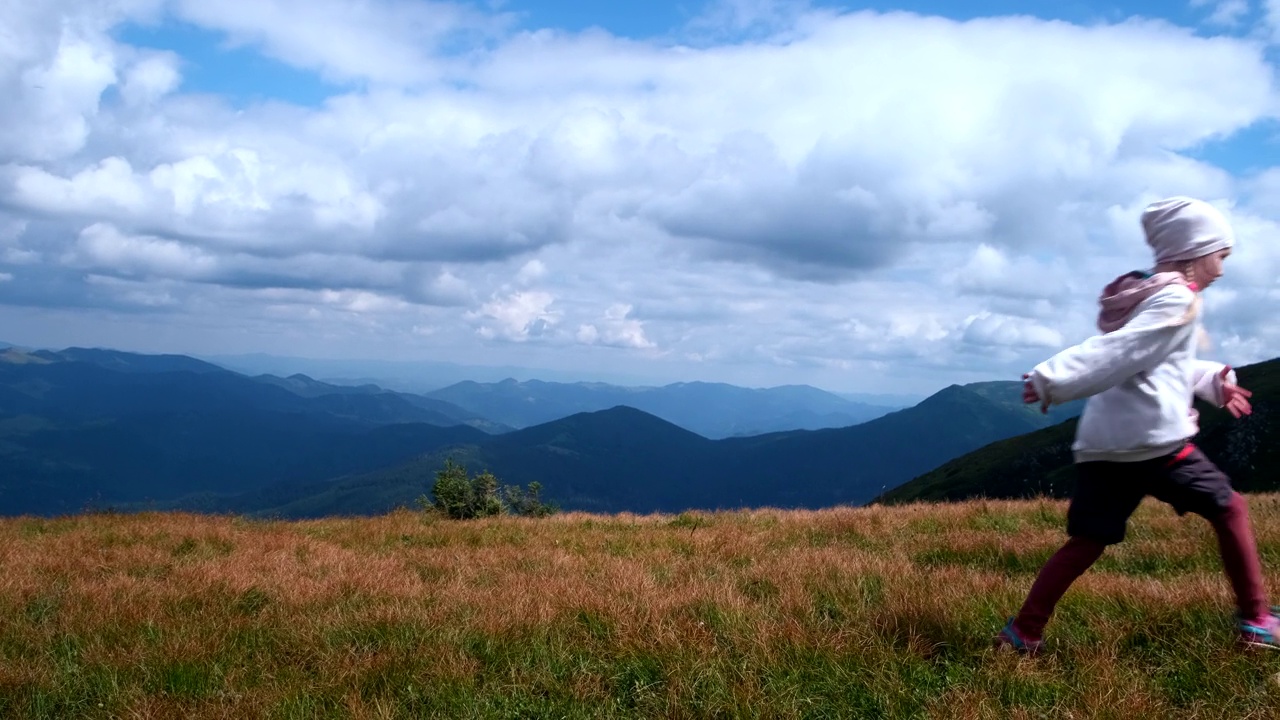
812, 197
1225, 13
47, 116
991, 272
360, 301
991, 329
102, 246
531, 271
615, 329
1271, 18
518, 317
383, 41
447, 289
1255, 261
149, 79
56, 60
106, 188
841, 180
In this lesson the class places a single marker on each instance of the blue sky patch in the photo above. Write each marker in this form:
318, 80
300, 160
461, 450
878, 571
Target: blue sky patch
639, 19
1246, 152
239, 74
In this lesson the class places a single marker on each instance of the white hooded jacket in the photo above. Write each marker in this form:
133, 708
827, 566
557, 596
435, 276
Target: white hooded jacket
1140, 381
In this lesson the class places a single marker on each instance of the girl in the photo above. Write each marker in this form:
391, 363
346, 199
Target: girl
1133, 437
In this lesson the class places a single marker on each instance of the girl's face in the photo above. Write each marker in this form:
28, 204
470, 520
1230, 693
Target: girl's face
1205, 270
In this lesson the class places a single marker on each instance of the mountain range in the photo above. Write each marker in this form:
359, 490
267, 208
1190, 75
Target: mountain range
83, 427
425, 377
98, 428
623, 459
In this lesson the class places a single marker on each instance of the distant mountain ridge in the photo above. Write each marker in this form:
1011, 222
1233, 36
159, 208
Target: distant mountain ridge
400, 375
713, 410
84, 427
128, 362
429, 377
87, 383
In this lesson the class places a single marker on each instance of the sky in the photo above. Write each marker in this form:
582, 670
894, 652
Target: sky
865, 197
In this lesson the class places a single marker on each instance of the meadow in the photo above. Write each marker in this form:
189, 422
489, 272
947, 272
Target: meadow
880, 612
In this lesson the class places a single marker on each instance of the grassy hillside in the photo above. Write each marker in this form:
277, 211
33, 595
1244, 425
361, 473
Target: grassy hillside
1040, 463
1032, 465
861, 613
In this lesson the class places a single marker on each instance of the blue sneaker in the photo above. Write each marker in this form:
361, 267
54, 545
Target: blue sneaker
1261, 635
1009, 637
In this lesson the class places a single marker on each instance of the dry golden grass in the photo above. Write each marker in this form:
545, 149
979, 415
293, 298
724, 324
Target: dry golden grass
848, 612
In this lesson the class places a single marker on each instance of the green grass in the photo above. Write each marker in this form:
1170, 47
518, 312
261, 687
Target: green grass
875, 613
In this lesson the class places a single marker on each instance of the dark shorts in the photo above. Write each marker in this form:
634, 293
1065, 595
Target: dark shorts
1107, 493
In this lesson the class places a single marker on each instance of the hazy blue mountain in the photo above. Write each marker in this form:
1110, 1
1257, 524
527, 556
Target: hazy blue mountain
128, 362
411, 376
714, 410
81, 427
894, 400
300, 384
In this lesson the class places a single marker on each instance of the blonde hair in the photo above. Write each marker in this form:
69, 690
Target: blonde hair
1188, 270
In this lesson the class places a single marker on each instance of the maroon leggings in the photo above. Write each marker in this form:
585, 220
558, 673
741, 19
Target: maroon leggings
1239, 560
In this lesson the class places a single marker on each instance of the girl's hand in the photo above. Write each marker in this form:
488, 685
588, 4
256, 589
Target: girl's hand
1029, 394
1235, 398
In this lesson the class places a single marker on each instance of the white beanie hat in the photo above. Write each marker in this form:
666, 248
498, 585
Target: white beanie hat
1182, 228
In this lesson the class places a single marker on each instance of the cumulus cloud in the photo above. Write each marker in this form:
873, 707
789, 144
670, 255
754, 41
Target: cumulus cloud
991, 329
764, 186
152, 77
517, 317
445, 288
52, 93
102, 245
615, 329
